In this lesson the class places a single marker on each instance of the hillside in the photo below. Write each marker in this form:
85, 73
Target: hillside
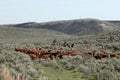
115, 22
74, 27
30, 34
80, 67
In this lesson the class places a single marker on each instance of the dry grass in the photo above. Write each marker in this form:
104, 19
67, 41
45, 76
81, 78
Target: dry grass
5, 74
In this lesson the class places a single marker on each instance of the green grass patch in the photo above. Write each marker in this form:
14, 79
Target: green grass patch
56, 74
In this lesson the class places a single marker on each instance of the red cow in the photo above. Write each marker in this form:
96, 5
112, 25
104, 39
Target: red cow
68, 53
33, 56
100, 56
60, 54
52, 57
44, 56
113, 55
73, 52
19, 49
118, 54
54, 53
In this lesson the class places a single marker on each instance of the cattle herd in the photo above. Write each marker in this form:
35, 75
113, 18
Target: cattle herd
52, 54
101, 54
46, 54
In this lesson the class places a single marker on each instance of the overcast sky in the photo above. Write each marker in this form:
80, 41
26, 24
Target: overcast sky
18, 11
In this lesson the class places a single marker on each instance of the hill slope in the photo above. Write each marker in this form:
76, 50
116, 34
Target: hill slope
70, 67
74, 27
29, 34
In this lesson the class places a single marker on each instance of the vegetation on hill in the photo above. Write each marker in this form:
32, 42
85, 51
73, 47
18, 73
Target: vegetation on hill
19, 66
74, 27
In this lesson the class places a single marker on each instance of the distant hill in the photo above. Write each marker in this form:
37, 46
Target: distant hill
75, 27
13, 33
115, 23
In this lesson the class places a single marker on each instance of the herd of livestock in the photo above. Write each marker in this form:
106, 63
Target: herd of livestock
46, 54
52, 54
101, 54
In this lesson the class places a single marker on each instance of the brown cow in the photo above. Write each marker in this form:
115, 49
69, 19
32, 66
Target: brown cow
20, 49
33, 56
64, 53
84, 53
52, 57
112, 55
44, 56
60, 54
54, 53
73, 52
118, 53
100, 56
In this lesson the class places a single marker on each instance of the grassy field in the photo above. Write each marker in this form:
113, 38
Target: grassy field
55, 74
69, 68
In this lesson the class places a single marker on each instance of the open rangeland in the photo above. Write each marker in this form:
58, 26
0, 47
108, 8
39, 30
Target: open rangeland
42, 54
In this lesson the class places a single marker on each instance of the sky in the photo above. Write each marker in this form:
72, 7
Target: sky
19, 11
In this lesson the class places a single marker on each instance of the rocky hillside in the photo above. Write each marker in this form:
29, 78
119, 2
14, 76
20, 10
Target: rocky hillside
74, 27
